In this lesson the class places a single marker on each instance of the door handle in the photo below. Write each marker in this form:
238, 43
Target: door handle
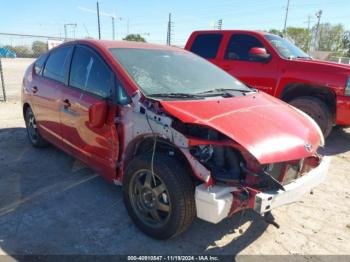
34, 89
66, 103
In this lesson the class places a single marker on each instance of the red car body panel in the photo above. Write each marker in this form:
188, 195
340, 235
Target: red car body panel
247, 119
47, 98
275, 75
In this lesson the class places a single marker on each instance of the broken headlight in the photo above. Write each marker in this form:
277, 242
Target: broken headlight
222, 161
203, 152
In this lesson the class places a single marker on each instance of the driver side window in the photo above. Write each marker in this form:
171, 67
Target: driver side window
239, 46
90, 73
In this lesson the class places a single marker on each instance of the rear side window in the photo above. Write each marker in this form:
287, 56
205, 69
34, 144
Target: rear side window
90, 73
39, 64
57, 63
239, 46
206, 46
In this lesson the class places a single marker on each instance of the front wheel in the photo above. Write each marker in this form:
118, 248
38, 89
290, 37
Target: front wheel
161, 204
317, 110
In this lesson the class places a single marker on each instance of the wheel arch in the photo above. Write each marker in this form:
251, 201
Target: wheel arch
325, 94
144, 144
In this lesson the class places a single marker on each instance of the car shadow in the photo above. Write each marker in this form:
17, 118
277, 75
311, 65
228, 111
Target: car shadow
337, 142
52, 204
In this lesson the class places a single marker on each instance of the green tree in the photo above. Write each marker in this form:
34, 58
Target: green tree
39, 47
275, 32
301, 37
20, 50
330, 37
346, 44
134, 37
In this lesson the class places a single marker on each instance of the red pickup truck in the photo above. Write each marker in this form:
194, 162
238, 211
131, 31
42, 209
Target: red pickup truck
274, 65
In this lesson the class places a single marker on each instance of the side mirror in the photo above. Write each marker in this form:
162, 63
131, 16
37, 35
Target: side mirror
98, 114
259, 54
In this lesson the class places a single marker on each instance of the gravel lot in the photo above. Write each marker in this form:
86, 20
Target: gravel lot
52, 204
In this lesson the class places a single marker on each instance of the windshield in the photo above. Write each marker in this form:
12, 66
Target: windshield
173, 72
286, 48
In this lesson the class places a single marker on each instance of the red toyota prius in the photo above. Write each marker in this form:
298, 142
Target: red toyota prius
184, 138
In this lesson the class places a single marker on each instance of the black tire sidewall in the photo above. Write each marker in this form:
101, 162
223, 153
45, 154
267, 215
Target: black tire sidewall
314, 106
39, 142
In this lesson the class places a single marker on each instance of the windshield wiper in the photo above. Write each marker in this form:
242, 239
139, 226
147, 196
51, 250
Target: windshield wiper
175, 95
304, 57
224, 89
300, 57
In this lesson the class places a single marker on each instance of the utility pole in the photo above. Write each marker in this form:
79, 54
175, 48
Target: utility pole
112, 16
113, 28
286, 18
127, 27
169, 33
65, 30
220, 24
308, 46
98, 20
318, 15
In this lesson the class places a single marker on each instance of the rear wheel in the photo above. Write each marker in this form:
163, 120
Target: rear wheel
160, 204
32, 130
317, 110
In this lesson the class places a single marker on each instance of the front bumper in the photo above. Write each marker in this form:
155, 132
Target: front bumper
265, 201
343, 110
217, 202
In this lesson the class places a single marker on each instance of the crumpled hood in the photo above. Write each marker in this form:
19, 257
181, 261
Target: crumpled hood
271, 130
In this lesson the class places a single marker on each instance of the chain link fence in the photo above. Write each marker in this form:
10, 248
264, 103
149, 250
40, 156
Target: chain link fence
17, 52
26, 46
2, 84
340, 60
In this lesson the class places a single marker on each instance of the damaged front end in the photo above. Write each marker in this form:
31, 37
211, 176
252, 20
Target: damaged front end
230, 174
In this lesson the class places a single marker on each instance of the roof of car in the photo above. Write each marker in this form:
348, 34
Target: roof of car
107, 44
231, 31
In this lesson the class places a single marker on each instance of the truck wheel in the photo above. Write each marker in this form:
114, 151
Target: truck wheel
163, 205
317, 110
32, 131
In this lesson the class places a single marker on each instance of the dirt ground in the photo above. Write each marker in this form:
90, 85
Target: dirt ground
52, 204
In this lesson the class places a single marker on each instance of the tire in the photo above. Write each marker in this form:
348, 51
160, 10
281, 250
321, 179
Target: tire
179, 196
317, 110
32, 132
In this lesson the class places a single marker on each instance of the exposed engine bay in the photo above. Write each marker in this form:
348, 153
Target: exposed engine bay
227, 175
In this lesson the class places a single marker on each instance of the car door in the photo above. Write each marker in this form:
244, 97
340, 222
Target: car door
46, 88
91, 81
236, 61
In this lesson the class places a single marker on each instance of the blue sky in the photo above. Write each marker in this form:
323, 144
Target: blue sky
47, 17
